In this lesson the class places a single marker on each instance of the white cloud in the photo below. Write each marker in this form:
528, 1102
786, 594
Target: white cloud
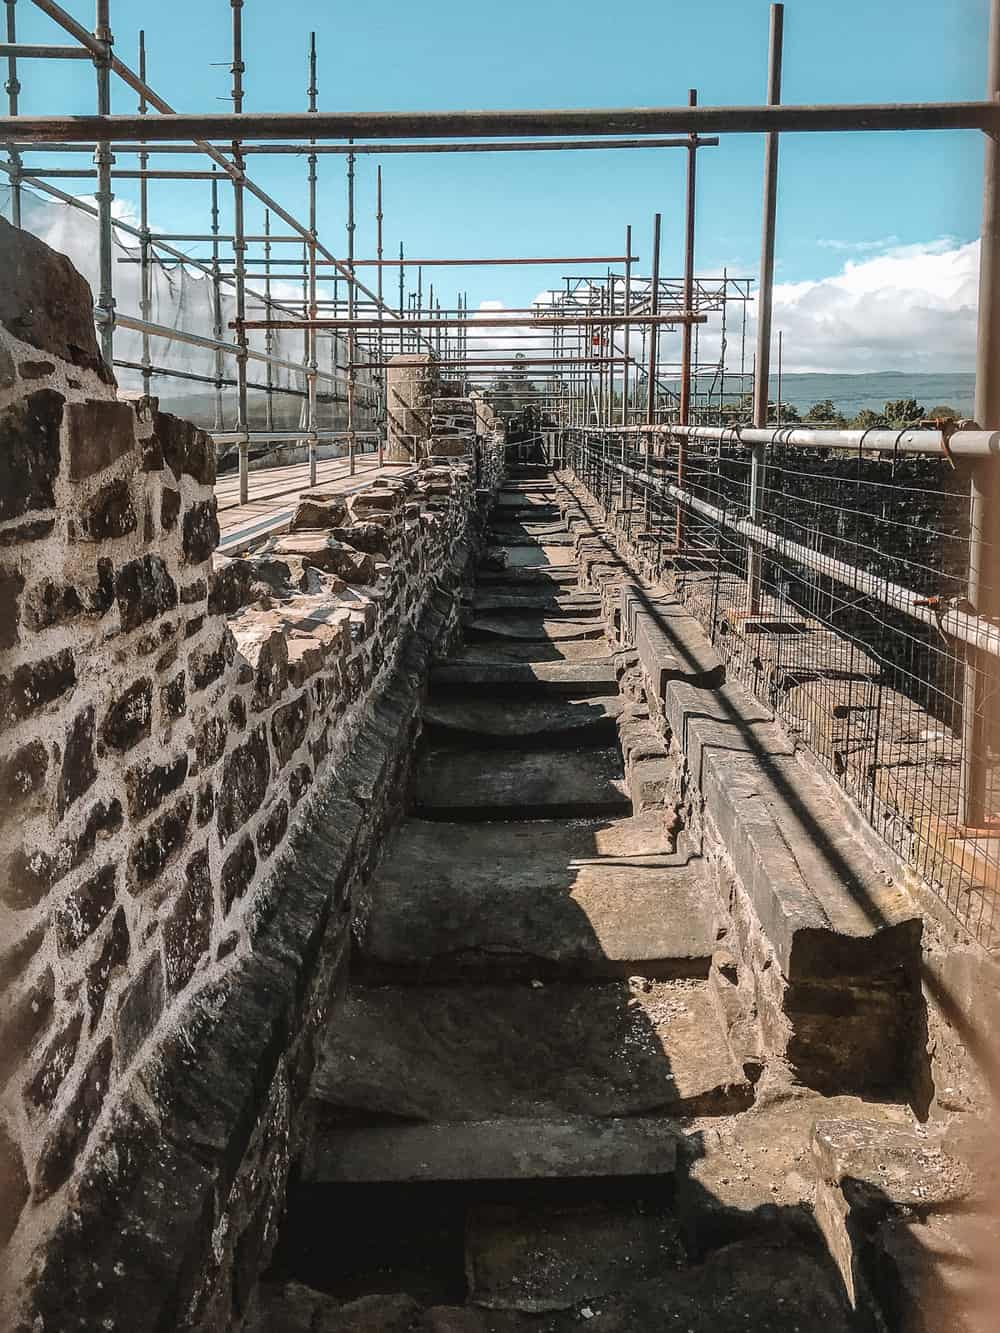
911, 308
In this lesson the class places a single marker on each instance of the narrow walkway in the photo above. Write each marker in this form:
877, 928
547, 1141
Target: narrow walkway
274, 492
501, 1095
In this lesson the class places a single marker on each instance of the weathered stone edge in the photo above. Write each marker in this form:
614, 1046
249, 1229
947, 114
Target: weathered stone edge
159, 1185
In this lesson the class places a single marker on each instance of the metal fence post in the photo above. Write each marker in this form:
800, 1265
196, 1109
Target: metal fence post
763, 362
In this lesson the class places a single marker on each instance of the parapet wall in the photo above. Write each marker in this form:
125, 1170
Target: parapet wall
167, 719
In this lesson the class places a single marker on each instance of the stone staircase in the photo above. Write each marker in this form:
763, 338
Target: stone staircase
533, 1049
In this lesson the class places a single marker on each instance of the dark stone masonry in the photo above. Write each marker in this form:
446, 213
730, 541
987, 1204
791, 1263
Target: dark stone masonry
170, 720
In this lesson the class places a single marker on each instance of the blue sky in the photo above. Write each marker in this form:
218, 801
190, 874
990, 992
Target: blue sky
843, 197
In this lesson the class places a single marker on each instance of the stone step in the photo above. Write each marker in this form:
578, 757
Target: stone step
536, 899
528, 533
526, 1051
487, 784
550, 721
537, 1258
475, 670
524, 555
557, 577
531, 627
539, 598
570, 1148
540, 651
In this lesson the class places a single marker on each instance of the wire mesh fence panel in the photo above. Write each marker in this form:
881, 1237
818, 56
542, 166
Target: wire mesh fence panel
875, 693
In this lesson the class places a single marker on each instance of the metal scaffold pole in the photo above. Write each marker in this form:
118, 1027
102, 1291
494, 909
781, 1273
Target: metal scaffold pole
380, 346
12, 88
627, 328
762, 363
684, 400
352, 298
980, 679
145, 293
311, 334
239, 265
103, 160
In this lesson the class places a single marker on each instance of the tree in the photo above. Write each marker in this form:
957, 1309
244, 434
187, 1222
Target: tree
869, 420
943, 413
903, 411
824, 413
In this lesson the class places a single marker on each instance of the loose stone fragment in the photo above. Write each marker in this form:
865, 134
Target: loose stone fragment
29, 453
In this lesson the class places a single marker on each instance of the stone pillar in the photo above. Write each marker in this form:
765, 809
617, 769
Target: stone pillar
411, 383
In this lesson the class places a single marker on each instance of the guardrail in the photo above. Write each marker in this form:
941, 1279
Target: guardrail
832, 570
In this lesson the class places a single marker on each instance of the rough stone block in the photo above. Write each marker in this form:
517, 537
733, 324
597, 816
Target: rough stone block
208, 664
63, 1146
289, 725
114, 954
238, 871
55, 1064
129, 719
11, 587
200, 530
318, 511
323, 552
84, 909
273, 829
244, 783
14, 1188
170, 508
29, 453
173, 697
98, 433
25, 1017
31, 687
79, 768
148, 788
45, 302
22, 779
210, 741
164, 839
144, 589
138, 1010
186, 449
188, 932
109, 514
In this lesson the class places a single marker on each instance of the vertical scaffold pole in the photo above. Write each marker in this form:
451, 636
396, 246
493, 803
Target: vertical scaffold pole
352, 302
984, 507
381, 349
145, 292
239, 260
627, 328
684, 403
268, 333
104, 160
762, 365
12, 88
217, 303
311, 334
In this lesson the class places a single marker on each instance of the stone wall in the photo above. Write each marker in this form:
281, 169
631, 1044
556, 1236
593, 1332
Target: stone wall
168, 719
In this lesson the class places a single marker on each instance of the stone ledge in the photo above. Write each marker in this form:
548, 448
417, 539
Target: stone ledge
135, 1247
828, 910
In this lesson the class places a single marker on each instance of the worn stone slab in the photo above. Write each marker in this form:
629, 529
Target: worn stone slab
537, 1258
548, 721
532, 627
484, 1052
512, 784
558, 577
525, 555
827, 906
579, 679
590, 898
570, 1148
541, 598
536, 650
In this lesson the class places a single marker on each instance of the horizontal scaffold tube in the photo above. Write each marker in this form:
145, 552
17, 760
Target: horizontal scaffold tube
973, 443
967, 627
233, 126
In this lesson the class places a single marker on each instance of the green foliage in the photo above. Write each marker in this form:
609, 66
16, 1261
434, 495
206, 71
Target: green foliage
903, 411
825, 414
943, 413
869, 420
